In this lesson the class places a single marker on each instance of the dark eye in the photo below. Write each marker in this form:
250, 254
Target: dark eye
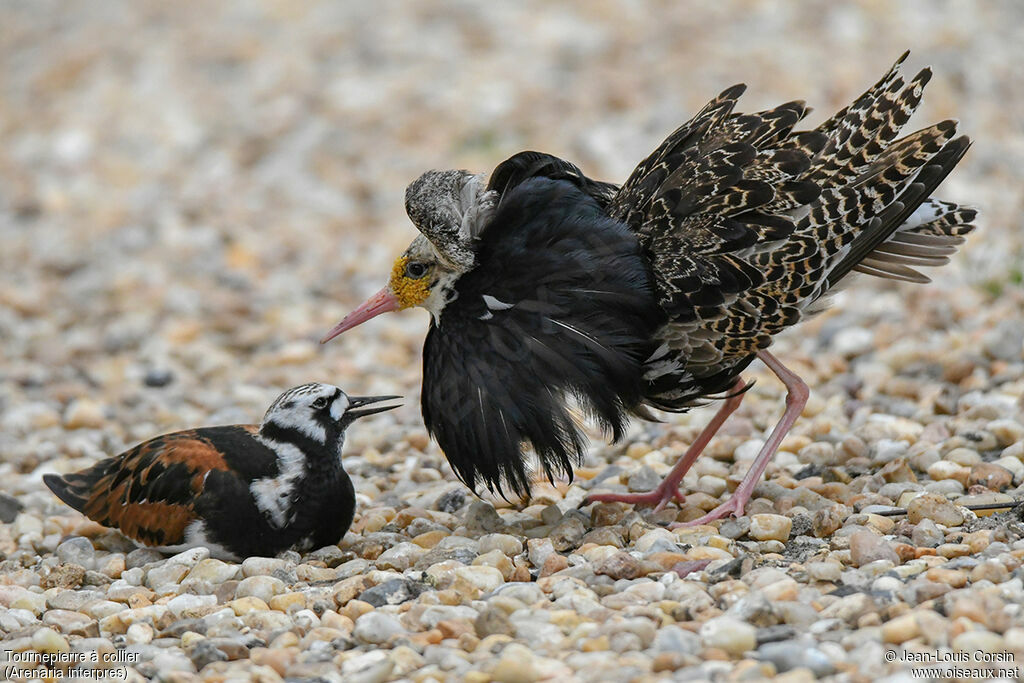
415, 270
320, 403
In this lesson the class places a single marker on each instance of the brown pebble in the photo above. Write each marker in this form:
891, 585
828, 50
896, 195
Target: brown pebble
834, 490
855, 446
990, 570
897, 471
225, 592
904, 551
553, 564
715, 654
608, 514
349, 588
867, 547
934, 507
991, 476
521, 572
598, 644
951, 550
136, 600
826, 522
449, 597
277, 659
683, 569
454, 628
429, 539
355, 609
406, 516
665, 559
467, 642
668, 661
984, 609
491, 621
605, 535
977, 541
621, 565
869, 620
371, 551
64, 576
947, 577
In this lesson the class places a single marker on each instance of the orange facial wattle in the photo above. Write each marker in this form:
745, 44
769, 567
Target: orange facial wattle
409, 292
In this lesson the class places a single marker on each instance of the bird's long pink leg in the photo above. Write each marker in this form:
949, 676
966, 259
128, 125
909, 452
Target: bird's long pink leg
669, 487
796, 399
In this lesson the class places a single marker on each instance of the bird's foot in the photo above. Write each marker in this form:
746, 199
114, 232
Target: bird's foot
658, 497
734, 506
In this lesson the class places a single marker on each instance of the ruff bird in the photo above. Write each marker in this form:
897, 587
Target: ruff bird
548, 289
240, 490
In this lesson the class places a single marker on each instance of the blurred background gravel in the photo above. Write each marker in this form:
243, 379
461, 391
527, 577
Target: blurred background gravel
191, 193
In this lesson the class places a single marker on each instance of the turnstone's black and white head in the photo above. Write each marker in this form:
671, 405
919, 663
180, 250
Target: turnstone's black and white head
240, 490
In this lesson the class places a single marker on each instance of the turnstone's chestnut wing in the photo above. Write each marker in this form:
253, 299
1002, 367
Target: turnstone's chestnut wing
150, 493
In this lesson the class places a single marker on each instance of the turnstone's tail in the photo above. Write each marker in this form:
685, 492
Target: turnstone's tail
77, 488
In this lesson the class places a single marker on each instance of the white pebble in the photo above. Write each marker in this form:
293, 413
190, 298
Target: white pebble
732, 635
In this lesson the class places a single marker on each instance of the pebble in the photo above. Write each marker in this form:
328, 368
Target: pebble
945, 469
1013, 465
377, 628
515, 665
901, 629
164, 575
733, 636
392, 592
926, 534
826, 522
84, 414
867, 547
789, 655
507, 544
77, 551
260, 586
475, 580
214, 571
264, 566
493, 621
621, 565
567, 534
978, 641
991, 476
9, 508
936, 508
49, 641
766, 527
69, 622
538, 550
825, 571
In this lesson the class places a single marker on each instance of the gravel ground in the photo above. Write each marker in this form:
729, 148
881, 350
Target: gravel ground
191, 194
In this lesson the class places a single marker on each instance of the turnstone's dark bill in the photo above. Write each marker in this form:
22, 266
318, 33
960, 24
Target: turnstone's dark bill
240, 490
545, 286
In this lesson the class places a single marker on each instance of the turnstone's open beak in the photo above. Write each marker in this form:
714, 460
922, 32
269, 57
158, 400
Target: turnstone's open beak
357, 401
383, 301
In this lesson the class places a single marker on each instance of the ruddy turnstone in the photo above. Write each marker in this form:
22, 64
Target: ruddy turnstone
240, 490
